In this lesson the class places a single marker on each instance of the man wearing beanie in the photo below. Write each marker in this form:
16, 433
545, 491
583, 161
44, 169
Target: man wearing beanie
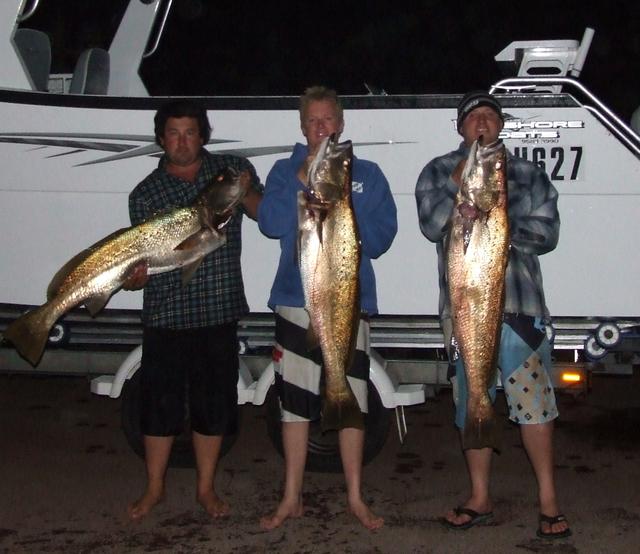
524, 356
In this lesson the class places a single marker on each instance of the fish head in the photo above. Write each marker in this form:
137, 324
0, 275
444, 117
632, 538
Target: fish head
217, 201
329, 177
484, 178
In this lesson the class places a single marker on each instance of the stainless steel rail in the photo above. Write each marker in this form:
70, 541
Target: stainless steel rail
26, 15
156, 40
625, 133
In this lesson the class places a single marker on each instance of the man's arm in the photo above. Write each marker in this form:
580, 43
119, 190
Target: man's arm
436, 190
377, 215
533, 211
251, 184
278, 211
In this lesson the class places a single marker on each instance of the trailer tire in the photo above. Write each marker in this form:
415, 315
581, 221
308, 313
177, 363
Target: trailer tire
593, 350
182, 452
323, 454
608, 335
59, 335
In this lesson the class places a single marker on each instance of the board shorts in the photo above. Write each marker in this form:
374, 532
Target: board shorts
199, 364
524, 361
298, 371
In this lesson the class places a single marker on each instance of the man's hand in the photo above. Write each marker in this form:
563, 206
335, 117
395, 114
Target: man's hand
468, 211
245, 181
137, 278
252, 197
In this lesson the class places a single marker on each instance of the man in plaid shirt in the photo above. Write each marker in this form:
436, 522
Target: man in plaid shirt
190, 332
524, 357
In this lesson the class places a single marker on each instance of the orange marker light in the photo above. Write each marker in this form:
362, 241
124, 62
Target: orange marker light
571, 377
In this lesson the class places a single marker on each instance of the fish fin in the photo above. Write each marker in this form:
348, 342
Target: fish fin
29, 333
311, 339
342, 414
482, 433
67, 268
96, 303
193, 241
355, 328
189, 270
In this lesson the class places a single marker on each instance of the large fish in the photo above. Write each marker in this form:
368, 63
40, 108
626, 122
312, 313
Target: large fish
177, 238
329, 260
477, 256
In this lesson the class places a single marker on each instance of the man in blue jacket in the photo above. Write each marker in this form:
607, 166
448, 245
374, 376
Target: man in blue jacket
297, 374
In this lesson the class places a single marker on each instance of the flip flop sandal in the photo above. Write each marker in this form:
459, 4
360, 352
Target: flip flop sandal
476, 519
551, 520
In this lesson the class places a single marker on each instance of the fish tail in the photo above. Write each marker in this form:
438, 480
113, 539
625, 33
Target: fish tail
29, 333
337, 415
481, 432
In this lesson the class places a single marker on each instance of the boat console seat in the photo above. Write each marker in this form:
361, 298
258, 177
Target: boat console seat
34, 47
91, 74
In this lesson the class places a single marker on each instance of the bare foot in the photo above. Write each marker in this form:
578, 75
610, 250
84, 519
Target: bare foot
141, 507
370, 520
284, 511
213, 505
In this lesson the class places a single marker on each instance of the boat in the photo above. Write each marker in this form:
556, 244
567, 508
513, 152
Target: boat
73, 146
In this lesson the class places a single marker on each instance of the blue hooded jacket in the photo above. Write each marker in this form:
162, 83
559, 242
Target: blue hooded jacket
375, 212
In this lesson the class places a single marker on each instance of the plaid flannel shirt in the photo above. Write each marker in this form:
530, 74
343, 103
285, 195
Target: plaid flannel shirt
215, 294
533, 220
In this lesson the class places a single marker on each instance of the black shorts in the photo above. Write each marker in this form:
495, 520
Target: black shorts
202, 361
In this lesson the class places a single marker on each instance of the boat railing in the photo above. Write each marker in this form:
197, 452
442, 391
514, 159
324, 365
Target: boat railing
618, 127
27, 14
158, 34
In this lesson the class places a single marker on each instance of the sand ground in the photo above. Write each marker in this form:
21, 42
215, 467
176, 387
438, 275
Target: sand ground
68, 475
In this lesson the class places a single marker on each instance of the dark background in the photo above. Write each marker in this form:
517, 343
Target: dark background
244, 47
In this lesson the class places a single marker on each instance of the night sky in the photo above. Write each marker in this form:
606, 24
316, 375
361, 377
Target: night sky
430, 46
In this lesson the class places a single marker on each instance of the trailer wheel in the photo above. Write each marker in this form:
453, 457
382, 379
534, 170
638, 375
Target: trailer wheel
593, 350
323, 454
550, 332
182, 451
59, 335
608, 335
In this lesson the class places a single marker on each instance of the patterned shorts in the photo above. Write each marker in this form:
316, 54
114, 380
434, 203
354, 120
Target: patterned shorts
298, 371
523, 359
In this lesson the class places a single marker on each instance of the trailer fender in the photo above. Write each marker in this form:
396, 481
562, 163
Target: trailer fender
381, 381
263, 384
392, 393
248, 390
111, 385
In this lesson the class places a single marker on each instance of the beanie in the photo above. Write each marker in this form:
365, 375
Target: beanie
473, 100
